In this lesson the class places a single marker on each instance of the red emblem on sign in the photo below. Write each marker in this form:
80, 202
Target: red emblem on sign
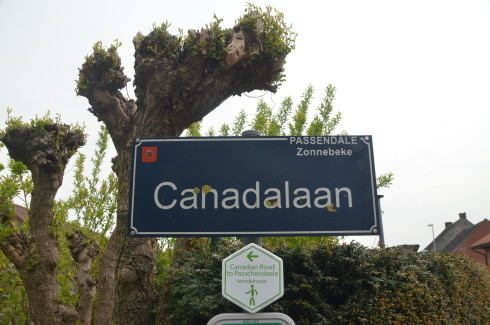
149, 154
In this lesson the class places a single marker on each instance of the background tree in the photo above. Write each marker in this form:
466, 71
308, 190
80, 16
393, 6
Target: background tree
271, 123
13, 299
178, 80
93, 205
79, 237
44, 147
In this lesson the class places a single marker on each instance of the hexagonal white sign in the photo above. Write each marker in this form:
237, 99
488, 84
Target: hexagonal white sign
252, 278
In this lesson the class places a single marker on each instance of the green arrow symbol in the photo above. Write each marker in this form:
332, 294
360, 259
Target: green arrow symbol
250, 256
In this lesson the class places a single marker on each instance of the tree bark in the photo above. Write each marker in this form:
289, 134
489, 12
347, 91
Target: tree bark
83, 252
106, 283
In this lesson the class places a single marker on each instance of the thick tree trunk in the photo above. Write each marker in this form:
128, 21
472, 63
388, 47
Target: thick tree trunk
136, 264
40, 278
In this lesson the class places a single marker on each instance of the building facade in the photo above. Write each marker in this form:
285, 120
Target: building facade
464, 237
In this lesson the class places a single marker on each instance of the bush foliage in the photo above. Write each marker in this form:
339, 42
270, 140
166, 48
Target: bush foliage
341, 284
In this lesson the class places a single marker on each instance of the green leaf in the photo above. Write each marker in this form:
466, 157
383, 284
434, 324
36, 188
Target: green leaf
239, 123
194, 130
301, 114
224, 130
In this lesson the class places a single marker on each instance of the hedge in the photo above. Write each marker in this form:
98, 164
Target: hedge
340, 284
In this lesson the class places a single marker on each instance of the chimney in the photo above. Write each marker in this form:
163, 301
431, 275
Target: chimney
448, 224
462, 215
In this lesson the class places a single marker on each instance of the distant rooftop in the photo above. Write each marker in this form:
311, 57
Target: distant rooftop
453, 235
482, 243
21, 214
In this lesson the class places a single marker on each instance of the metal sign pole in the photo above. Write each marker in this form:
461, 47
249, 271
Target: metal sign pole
252, 240
380, 228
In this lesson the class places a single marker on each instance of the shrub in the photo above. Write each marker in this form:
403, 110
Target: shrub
342, 284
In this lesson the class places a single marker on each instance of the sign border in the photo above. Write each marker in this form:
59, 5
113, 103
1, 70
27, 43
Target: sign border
219, 319
133, 231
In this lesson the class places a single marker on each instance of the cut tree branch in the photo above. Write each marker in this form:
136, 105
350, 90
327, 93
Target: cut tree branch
14, 247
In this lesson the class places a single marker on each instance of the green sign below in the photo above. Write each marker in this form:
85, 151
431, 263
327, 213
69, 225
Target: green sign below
254, 323
252, 278
257, 318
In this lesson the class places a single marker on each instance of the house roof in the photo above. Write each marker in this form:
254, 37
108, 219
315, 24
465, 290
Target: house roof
453, 235
482, 243
459, 239
21, 214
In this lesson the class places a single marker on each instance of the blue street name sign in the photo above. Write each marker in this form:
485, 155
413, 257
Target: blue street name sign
253, 186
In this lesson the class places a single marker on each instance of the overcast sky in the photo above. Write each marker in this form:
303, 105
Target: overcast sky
414, 74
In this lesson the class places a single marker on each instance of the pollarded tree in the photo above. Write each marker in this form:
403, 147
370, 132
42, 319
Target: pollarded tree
78, 239
44, 146
178, 81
